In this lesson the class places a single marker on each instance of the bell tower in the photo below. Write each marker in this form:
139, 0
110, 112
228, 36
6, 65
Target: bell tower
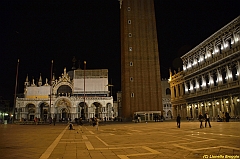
140, 66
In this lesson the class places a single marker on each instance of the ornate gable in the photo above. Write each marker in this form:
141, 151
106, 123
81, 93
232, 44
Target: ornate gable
63, 80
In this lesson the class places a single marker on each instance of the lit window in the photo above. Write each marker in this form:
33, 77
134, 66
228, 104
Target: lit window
129, 21
130, 48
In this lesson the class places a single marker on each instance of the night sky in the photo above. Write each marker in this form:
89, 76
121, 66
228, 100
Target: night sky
38, 31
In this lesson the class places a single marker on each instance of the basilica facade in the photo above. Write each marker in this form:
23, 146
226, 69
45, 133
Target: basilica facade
75, 94
210, 79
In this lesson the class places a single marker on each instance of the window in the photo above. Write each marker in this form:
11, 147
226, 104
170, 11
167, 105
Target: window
132, 94
220, 48
130, 35
168, 91
229, 43
130, 48
129, 22
131, 63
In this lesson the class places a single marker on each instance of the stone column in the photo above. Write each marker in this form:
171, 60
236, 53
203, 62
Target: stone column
205, 106
181, 89
177, 91
213, 109
193, 111
221, 106
172, 92
177, 110
238, 69
232, 106
188, 110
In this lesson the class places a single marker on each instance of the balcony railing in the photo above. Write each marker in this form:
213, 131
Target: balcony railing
226, 86
213, 61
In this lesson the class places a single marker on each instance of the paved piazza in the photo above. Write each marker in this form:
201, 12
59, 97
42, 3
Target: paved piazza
155, 140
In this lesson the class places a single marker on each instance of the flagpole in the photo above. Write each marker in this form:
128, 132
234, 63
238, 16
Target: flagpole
51, 88
15, 93
84, 84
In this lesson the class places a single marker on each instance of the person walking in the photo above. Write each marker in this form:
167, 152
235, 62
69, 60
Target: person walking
97, 123
178, 120
201, 118
54, 121
227, 116
50, 120
207, 120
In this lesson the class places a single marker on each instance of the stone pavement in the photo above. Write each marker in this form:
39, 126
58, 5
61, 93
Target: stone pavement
121, 141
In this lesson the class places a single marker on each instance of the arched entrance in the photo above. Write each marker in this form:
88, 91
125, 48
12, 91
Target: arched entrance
169, 114
63, 111
65, 114
44, 109
31, 109
98, 109
82, 110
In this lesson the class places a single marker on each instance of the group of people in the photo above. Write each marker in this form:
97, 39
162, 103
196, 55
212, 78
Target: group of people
95, 122
201, 119
223, 117
205, 118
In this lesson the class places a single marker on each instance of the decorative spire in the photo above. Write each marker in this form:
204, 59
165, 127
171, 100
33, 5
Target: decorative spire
120, 2
33, 84
170, 73
65, 71
27, 82
26, 78
40, 80
53, 79
46, 84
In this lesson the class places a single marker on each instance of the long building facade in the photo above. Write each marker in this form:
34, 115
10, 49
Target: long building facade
210, 80
140, 66
76, 94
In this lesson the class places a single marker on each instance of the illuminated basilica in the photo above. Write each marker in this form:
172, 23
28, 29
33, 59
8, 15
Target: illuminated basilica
75, 94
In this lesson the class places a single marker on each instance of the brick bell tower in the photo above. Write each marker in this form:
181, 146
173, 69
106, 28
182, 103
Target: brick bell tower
140, 66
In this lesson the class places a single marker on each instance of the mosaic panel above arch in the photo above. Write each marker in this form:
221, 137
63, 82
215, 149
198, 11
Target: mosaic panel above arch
63, 102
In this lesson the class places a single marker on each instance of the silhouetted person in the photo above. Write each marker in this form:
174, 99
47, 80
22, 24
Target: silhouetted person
50, 120
207, 119
178, 120
80, 121
201, 118
70, 126
227, 116
54, 121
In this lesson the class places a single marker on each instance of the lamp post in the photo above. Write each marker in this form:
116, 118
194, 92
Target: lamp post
84, 85
15, 93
